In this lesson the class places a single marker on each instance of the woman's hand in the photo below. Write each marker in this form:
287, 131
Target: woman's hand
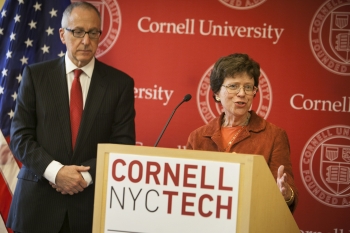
283, 185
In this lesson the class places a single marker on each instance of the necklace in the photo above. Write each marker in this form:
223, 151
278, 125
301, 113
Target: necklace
225, 123
236, 134
233, 138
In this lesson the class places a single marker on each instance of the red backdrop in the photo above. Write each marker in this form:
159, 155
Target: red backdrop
303, 47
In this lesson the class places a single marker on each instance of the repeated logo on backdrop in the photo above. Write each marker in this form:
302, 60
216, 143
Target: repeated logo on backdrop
323, 162
325, 166
242, 4
325, 159
329, 36
209, 109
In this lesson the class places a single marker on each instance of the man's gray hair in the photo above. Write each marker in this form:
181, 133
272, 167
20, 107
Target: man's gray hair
68, 11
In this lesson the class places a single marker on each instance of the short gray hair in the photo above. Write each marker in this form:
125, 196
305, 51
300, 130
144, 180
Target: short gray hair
69, 9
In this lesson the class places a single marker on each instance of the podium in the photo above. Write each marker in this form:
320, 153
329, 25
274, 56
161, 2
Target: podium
260, 205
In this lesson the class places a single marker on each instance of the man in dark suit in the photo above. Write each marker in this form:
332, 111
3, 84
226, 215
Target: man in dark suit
55, 188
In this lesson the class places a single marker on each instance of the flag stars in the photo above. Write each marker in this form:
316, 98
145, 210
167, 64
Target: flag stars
29, 42
61, 54
13, 36
53, 13
45, 49
11, 113
32, 24
49, 31
19, 78
8, 54
17, 18
24, 60
25, 38
4, 72
3, 13
37, 6
14, 96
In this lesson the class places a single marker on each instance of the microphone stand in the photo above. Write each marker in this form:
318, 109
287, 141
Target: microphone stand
186, 98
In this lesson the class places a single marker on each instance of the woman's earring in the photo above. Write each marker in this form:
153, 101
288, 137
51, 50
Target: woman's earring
217, 98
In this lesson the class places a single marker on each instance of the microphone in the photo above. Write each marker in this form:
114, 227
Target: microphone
185, 99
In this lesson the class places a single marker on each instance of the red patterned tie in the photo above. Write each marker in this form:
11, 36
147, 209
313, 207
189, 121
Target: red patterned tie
76, 105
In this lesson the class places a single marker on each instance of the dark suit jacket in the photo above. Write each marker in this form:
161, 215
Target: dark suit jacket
41, 133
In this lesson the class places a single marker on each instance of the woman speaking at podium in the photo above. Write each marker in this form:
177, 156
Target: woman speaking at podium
234, 81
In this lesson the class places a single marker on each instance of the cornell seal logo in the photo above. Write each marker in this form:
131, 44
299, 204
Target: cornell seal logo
242, 4
325, 166
209, 109
330, 36
111, 23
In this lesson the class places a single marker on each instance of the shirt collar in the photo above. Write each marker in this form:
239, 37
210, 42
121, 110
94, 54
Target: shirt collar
88, 69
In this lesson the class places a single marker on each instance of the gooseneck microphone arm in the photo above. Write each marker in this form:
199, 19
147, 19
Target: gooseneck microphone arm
186, 98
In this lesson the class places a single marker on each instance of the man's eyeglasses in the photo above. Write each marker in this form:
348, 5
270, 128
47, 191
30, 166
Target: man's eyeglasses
236, 88
94, 34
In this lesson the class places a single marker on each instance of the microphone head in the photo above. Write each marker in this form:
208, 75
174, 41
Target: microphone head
187, 97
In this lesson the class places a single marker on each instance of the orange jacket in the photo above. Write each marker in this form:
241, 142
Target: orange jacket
258, 137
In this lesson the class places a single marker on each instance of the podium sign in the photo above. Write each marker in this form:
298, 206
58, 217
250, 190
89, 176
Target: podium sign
147, 189
157, 194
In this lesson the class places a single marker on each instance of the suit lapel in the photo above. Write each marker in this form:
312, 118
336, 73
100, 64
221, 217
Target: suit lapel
94, 99
58, 85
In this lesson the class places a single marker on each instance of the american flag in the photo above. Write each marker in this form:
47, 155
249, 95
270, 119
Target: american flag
28, 34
